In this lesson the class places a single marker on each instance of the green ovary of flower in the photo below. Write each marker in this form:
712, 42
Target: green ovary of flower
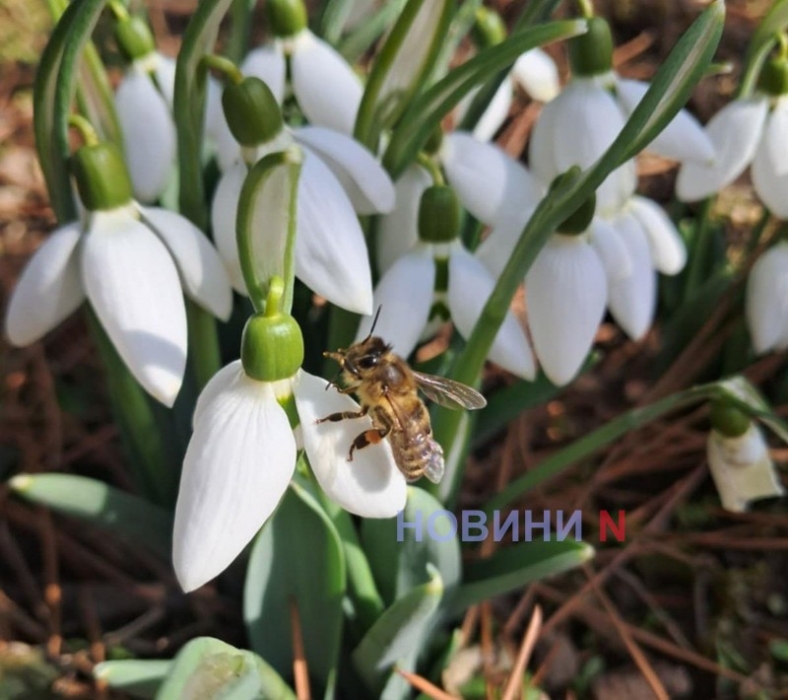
286, 17
439, 215
728, 420
252, 112
134, 38
102, 177
592, 53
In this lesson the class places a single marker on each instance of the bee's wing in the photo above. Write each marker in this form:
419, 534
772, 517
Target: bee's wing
434, 467
448, 393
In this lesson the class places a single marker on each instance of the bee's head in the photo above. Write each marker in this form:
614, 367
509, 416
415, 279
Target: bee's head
360, 359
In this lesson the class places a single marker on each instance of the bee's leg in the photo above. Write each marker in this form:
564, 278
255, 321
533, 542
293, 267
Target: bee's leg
344, 415
368, 437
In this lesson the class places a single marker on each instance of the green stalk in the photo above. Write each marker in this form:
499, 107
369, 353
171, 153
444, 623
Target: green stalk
203, 343
775, 22
701, 249
240, 30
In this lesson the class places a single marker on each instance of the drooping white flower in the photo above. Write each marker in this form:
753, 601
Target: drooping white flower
242, 457
143, 102
741, 468
766, 301
409, 299
491, 185
133, 264
338, 174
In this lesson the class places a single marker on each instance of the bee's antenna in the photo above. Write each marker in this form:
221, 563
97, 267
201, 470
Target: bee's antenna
375, 321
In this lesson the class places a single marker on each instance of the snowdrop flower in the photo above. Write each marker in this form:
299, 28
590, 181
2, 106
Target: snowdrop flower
338, 175
579, 125
323, 83
748, 131
134, 264
766, 306
242, 454
143, 102
439, 279
739, 459
491, 185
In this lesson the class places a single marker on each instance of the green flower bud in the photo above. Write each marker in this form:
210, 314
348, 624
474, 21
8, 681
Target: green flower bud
728, 420
252, 112
579, 220
272, 347
773, 79
592, 53
134, 37
286, 17
102, 177
439, 215
488, 28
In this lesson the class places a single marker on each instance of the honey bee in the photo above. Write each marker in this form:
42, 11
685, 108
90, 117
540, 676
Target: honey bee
387, 389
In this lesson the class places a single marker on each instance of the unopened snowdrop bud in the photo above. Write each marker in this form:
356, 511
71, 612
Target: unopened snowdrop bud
252, 112
134, 38
739, 459
286, 17
766, 305
439, 215
592, 53
102, 177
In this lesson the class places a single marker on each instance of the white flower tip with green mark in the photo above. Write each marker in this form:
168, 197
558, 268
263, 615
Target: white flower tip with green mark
49, 290
566, 294
536, 73
742, 469
766, 301
238, 465
148, 134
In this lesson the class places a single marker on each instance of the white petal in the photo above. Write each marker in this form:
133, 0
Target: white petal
49, 289
470, 285
495, 115
742, 469
668, 252
214, 116
735, 132
202, 272
132, 283
371, 485
228, 150
766, 303
327, 89
566, 293
611, 251
220, 381
148, 135
489, 182
536, 73
405, 295
583, 121
633, 298
237, 467
331, 253
682, 139
397, 232
224, 211
770, 165
267, 63
366, 182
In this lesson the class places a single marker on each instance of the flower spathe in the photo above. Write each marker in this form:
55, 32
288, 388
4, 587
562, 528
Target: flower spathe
133, 264
407, 295
766, 301
741, 468
242, 456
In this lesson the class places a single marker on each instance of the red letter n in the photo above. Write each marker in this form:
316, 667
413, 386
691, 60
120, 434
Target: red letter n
619, 531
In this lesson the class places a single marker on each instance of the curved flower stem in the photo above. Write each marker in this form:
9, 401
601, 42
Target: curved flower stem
223, 65
429, 164
85, 129
775, 22
586, 8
